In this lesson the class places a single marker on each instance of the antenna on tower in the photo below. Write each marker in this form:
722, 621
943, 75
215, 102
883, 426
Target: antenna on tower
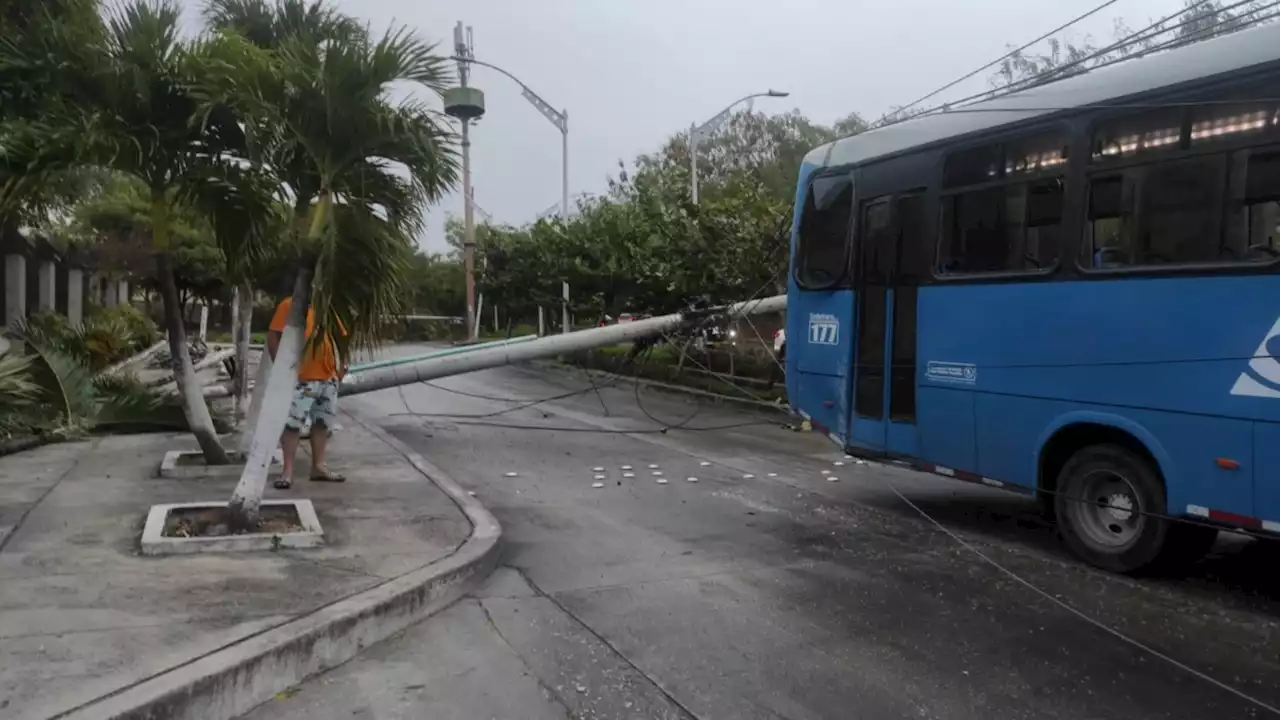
463, 49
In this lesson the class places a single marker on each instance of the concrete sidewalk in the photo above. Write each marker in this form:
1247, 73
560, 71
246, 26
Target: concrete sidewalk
91, 628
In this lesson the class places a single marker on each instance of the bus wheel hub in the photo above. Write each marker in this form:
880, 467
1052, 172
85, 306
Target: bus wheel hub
1119, 506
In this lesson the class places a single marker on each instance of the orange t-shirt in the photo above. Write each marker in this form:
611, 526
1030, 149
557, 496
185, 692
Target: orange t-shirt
318, 363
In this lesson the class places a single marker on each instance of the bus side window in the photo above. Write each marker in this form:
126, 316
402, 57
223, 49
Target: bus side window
1106, 232
822, 248
1157, 214
1009, 217
1253, 206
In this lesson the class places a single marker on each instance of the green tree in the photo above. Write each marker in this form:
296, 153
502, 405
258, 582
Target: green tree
436, 285
46, 48
138, 106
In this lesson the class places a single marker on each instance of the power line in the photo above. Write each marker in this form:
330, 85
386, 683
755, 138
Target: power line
1143, 35
1138, 644
1196, 36
1129, 41
998, 60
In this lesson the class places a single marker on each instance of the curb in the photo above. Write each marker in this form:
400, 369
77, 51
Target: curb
662, 386
230, 682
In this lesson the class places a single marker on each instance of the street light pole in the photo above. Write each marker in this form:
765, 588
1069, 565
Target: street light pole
710, 126
559, 118
466, 104
564, 164
468, 230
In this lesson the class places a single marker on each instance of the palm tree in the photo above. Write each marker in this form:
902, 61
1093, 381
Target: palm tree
42, 44
141, 108
360, 166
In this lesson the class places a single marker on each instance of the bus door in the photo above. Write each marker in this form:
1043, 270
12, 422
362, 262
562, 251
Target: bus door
891, 259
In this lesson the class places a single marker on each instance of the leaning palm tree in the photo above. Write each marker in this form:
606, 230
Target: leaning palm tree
142, 109
360, 166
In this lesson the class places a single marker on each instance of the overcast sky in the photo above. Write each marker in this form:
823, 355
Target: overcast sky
632, 72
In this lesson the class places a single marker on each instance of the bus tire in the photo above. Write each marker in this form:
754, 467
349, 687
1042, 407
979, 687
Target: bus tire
1104, 495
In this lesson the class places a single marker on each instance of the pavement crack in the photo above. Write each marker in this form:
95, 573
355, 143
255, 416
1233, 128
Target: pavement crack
550, 691
605, 641
13, 529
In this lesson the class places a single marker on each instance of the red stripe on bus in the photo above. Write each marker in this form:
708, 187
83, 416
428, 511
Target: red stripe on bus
1230, 518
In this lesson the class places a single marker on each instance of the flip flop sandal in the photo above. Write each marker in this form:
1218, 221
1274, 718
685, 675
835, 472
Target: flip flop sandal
282, 483
332, 477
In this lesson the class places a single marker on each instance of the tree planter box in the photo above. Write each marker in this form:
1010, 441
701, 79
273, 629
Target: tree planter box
189, 465
303, 529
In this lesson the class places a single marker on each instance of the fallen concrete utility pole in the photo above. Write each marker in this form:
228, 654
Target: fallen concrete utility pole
132, 362
485, 358
218, 389
440, 353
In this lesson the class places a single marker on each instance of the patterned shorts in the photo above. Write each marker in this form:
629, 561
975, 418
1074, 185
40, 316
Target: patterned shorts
316, 401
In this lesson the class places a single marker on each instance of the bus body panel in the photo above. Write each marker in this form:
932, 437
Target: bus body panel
1153, 343
1266, 473
944, 416
1142, 355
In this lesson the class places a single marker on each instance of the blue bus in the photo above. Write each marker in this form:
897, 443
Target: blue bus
1070, 291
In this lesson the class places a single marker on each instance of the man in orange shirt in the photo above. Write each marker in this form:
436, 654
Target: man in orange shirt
315, 397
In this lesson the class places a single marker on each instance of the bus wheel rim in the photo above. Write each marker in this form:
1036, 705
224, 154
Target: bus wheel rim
1107, 512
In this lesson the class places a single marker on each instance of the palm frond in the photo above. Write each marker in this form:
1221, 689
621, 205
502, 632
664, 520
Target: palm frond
242, 209
402, 55
267, 25
65, 384
361, 275
17, 388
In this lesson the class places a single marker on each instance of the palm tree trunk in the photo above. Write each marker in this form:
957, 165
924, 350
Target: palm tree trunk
260, 379
242, 510
241, 326
276, 399
190, 393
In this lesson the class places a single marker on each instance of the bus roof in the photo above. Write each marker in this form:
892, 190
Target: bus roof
1236, 51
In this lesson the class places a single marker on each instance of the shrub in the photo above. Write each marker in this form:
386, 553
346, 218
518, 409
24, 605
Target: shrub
141, 330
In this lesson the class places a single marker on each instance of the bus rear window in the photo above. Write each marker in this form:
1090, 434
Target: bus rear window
822, 249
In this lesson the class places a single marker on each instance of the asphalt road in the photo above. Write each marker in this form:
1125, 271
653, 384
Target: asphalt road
767, 590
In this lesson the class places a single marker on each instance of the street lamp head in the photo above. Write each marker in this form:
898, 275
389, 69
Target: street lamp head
777, 93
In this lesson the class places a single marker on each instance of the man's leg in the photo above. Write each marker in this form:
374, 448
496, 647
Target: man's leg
302, 405
323, 414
